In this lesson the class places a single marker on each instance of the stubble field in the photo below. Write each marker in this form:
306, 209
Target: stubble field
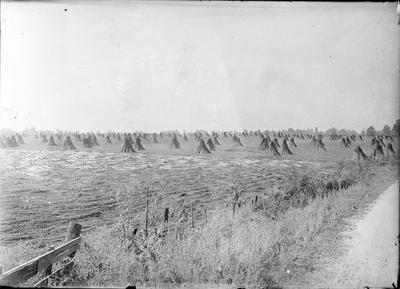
296, 222
43, 188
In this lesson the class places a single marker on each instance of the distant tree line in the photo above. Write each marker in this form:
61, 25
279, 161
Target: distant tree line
371, 131
386, 130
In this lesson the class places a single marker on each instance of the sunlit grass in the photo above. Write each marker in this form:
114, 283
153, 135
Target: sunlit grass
258, 245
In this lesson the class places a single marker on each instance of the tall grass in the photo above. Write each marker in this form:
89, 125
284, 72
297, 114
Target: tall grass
275, 241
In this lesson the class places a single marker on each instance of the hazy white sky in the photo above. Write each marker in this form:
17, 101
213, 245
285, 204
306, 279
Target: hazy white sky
179, 65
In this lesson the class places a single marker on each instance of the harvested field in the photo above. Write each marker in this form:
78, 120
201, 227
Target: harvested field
44, 188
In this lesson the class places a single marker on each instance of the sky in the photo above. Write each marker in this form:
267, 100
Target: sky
131, 65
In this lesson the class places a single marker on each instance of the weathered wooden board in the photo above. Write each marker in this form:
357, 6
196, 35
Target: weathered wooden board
32, 267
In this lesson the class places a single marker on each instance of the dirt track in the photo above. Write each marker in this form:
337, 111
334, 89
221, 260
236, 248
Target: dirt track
372, 256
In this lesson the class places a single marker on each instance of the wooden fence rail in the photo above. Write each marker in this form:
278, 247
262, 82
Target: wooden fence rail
44, 262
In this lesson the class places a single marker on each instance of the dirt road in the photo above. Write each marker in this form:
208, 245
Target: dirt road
372, 256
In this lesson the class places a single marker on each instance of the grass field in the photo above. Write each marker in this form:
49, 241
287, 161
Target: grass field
43, 189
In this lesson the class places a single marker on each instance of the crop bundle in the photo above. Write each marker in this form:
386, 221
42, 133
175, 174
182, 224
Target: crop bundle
138, 144
2, 144
360, 153
344, 143
202, 148
239, 142
175, 143
129, 136
94, 140
51, 141
390, 150
87, 142
274, 150
236, 140
216, 142
211, 144
11, 142
68, 145
155, 138
378, 150
318, 145
277, 145
264, 144
127, 146
20, 139
44, 138
293, 143
285, 148
108, 139
321, 145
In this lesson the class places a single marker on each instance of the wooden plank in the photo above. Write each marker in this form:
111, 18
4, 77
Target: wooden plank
74, 231
43, 263
32, 267
49, 269
56, 274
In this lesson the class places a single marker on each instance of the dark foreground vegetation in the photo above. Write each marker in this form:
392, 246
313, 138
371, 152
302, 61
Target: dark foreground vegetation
250, 242
271, 239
